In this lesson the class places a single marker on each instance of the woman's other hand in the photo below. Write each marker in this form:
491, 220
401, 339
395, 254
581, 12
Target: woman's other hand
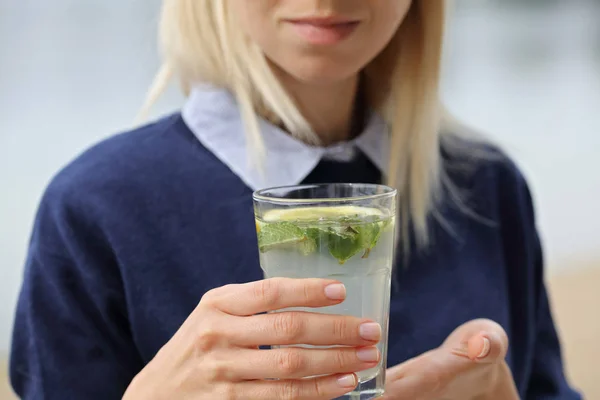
215, 354
470, 364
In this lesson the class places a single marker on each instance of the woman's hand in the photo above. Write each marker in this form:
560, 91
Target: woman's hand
215, 354
469, 365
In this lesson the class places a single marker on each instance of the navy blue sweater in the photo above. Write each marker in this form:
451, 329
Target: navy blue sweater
131, 234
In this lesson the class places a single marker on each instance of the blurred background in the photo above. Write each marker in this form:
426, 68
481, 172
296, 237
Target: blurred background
525, 72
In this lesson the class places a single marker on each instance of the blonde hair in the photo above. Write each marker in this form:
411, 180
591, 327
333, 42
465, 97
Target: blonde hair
202, 43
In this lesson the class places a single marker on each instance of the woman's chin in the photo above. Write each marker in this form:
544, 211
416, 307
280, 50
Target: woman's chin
316, 69
322, 74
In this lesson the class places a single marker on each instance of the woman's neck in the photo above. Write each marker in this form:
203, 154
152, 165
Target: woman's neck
329, 109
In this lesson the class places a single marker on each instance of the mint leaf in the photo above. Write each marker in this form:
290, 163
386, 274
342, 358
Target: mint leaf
345, 241
370, 234
351, 240
344, 248
281, 234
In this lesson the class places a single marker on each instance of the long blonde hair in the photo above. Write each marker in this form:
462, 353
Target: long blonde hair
201, 42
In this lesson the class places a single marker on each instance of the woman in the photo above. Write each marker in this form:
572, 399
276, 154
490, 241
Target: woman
142, 278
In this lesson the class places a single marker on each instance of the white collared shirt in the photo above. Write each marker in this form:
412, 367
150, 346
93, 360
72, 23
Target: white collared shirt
212, 114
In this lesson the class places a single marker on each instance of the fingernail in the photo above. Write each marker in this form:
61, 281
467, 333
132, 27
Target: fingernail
347, 381
486, 348
370, 331
337, 291
368, 354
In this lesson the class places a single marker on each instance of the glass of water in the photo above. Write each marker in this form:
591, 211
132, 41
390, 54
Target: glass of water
337, 231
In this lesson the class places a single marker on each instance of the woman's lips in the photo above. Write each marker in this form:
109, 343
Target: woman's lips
324, 31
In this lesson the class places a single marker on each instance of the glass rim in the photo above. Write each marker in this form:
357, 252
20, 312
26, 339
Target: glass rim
262, 196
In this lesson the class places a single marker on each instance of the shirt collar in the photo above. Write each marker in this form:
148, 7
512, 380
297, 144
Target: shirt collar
213, 116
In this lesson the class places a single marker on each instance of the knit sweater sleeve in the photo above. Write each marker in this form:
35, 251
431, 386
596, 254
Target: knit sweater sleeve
71, 336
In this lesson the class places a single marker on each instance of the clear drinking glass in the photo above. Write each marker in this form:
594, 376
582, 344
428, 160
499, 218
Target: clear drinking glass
338, 231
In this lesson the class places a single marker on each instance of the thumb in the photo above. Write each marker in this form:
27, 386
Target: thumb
484, 347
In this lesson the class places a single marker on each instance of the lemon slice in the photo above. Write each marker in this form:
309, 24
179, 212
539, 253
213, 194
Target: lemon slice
320, 213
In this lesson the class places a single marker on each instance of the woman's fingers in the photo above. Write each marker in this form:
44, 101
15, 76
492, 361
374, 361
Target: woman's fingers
323, 388
284, 328
274, 294
468, 360
296, 362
